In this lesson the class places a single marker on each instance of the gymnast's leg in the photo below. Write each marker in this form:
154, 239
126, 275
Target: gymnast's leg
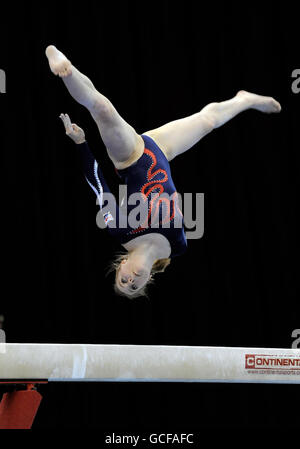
124, 145
178, 136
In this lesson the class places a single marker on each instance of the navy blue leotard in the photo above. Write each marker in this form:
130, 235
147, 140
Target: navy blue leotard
150, 177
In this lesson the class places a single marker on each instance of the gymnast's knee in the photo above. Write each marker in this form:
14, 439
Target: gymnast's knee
209, 116
102, 108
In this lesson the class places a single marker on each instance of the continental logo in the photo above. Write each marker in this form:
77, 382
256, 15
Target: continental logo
278, 363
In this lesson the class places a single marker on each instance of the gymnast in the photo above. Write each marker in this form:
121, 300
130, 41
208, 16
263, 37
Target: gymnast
142, 163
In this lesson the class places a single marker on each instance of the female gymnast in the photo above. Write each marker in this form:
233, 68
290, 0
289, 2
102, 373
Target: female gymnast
142, 163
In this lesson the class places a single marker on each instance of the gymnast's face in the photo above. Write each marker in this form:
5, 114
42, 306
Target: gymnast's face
131, 276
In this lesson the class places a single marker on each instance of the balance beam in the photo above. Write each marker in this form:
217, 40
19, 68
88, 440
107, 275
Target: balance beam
146, 363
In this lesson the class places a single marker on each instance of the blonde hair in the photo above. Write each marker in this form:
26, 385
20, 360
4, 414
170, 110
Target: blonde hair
159, 266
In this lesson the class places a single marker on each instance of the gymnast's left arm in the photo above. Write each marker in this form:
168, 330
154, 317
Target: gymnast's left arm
88, 161
93, 174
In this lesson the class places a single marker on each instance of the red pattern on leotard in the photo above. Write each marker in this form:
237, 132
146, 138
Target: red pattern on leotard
156, 184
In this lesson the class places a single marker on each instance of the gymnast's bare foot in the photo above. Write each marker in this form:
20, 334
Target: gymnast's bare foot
59, 64
259, 102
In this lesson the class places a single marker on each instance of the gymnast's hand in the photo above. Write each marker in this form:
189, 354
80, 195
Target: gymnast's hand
72, 130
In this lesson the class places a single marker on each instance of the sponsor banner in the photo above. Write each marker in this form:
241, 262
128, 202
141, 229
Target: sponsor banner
272, 364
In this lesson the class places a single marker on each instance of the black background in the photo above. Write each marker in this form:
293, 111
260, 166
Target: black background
236, 286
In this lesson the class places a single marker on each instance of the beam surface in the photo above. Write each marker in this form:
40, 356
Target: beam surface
84, 362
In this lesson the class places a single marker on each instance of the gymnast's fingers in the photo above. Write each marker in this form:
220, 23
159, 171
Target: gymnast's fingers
63, 119
68, 124
68, 121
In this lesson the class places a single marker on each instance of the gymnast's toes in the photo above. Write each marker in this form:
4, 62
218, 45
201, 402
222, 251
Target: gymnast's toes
276, 106
58, 63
